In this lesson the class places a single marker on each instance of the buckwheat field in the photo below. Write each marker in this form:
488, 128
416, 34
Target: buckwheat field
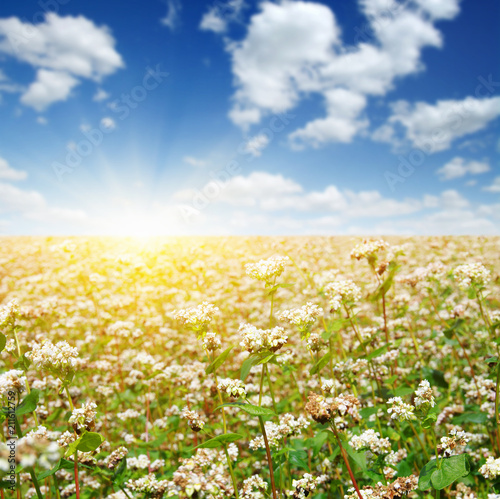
250, 368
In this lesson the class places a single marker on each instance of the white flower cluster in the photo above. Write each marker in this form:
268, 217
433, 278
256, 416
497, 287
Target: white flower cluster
252, 488
368, 249
342, 293
454, 444
8, 314
491, 469
211, 342
148, 484
471, 274
424, 396
306, 485
314, 342
128, 414
84, 417
197, 318
13, 380
400, 410
303, 317
193, 418
260, 340
233, 387
59, 358
289, 426
266, 270
371, 439
143, 462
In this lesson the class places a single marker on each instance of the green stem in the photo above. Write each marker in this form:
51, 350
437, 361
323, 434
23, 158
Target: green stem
235, 487
426, 454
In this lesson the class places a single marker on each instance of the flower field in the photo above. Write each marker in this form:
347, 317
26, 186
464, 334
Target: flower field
250, 367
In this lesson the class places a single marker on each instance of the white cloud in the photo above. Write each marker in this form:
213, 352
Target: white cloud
494, 187
9, 173
194, 161
63, 50
32, 205
433, 128
108, 122
41, 120
256, 144
172, 17
459, 167
218, 17
100, 95
293, 49
49, 87
265, 203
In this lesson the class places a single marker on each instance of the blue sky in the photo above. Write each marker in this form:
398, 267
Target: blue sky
233, 117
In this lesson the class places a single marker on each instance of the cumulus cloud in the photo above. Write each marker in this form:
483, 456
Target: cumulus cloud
293, 49
63, 49
271, 203
433, 127
9, 173
218, 17
459, 167
49, 87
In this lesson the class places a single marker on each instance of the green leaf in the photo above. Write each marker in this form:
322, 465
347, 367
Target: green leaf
254, 410
402, 391
219, 441
61, 464
430, 420
249, 363
87, 442
29, 403
377, 352
218, 361
436, 377
320, 364
3, 342
424, 480
368, 411
318, 441
298, 458
358, 457
22, 363
452, 468
471, 417
454, 328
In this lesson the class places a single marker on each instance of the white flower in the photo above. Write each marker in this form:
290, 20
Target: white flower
260, 340
266, 270
424, 396
471, 274
491, 469
13, 380
59, 358
233, 387
342, 293
400, 410
84, 417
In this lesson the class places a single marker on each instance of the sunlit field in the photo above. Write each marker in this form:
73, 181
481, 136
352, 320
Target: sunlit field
250, 368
